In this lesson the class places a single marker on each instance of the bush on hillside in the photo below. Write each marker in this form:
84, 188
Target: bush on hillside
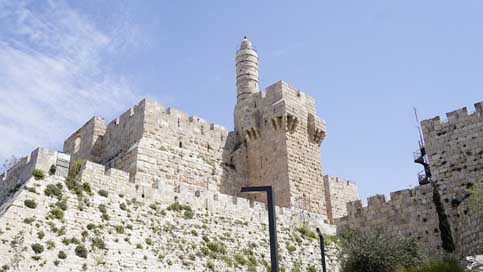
444, 265
38, 174
30, 203
362, 252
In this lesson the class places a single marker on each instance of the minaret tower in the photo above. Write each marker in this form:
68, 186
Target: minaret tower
246, 70
246, 84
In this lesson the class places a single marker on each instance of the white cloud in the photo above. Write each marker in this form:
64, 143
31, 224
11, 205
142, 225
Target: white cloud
52, 76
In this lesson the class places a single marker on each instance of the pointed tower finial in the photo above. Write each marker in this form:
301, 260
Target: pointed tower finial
246, 70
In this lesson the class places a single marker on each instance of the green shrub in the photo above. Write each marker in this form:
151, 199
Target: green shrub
81, 251
228, 261
87, 188
30, 203
329, 239
52, 190
240, 260
38, 174
84, 235
291, 248
75, 168
210, 266
50, 244
56, 213
37, 248
361, 252
175, 207
91, 226
105, 217
216, 247
120, 229
41, 235
149, 241
62, 255
188, 214
311, 268
444, 265
123, 206
252, 261
102, 208
103, 193
62, 204
99, 243
306, 232
29, 220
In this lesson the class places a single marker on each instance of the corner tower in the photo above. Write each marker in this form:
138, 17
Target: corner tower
279, 133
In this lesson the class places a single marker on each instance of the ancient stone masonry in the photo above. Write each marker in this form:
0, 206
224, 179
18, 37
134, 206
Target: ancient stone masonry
158, 189
276, 142
409, 213
279, 135
338, 192
455, 153
14, 178
133, 227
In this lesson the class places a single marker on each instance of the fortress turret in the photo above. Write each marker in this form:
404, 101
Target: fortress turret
246, 70
278, 136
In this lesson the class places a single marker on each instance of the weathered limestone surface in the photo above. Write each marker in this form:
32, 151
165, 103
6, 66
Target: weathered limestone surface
276, 142
409, 213
142, 234
455, 152
151, 157
338, 192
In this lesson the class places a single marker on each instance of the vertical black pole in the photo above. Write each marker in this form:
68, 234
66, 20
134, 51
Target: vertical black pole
322, 250
272, 225
273, 230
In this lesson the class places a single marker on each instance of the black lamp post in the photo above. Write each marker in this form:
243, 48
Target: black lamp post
322, 249
271, 222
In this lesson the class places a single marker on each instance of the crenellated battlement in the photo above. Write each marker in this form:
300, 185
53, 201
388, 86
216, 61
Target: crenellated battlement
376, 202
117, 182
14, 177
277, 134
452, 118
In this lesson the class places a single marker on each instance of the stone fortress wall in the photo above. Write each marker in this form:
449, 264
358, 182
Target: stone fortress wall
455, 153
276, 142
172, 235
338, 192
160, 155
12, 180
408, 213
154, 143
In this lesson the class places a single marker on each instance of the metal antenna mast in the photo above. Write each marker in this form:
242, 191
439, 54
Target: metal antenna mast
418, 125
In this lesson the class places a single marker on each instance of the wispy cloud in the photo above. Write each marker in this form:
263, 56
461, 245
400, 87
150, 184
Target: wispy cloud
53, 75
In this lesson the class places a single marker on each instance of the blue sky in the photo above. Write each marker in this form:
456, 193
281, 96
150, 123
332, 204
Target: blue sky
367, 63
